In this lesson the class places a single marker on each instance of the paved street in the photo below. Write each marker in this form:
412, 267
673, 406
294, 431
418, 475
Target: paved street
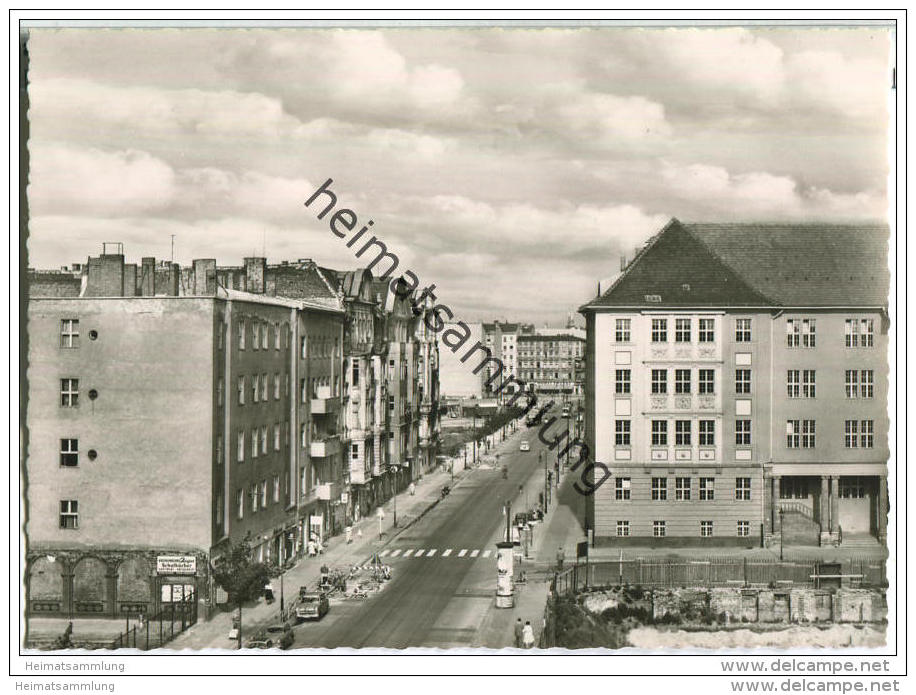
444, 567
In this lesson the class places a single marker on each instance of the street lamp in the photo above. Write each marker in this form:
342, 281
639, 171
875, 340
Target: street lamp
394, 521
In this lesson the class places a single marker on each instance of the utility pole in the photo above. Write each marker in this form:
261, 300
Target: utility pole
508, 521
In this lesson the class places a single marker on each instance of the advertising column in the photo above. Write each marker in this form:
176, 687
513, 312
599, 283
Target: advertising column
505, 592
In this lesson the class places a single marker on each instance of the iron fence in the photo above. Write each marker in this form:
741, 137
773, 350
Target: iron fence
718, 572
158, 630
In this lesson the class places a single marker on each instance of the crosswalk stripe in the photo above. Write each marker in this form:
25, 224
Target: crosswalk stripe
396, 553
407, 553
419, 553
486, 553
475, 553
384, 553
431, 552
447, 552
463, 552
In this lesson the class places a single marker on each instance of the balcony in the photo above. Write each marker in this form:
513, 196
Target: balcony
323, 448
328, 491
358, 473
322, 403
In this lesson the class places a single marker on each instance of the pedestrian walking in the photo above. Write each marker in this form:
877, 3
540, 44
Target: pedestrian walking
528, 635
269, 592
413, 489
519, 630
349, 533
561, 556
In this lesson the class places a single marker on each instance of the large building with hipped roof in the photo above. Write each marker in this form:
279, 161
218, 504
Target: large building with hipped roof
737, 388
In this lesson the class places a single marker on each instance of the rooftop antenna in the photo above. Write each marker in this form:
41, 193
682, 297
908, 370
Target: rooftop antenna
173, 248
264, 244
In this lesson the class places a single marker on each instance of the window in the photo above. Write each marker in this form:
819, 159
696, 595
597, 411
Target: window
807, 438
255, 335
659, 381
793, 434
69, 393
220, 333
851, 437
622, 432
742, 381
276, 387
852, 383
659, 433
707, 333
69, 514
852, 333
69, 333
276, 489
303, 345
659, 330
706, 529
682, 381
682, 432
707, 432
354, 377
253, 496
622, 330
658, 529
264, 439
851, 487
867, 428
793, 488
263, 494
241, 389
793, 332
807, 329
219, 391
263, 387
707, 489
793, 383
264, 337
659, 489
219, 449
240, 503
621, 488
303, 435
277, 337
742, 432
742, 330
808, 386
241, 337
390, 404
622, 379
354, 452
623, 528
682, 489
69, 452
254, 443
255, 388
867, 380
744, 529
867, 333
743, 489
240, 451
218, 506
707, 381
277, 437
682, 330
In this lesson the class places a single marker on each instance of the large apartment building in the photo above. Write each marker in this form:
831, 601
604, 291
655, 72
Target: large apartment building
737, 387
552, 361
174, 409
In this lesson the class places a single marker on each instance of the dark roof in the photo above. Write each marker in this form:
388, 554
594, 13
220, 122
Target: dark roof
535, 337
756, 265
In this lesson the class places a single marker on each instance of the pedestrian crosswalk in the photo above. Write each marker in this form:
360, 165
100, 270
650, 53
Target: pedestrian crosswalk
452, 553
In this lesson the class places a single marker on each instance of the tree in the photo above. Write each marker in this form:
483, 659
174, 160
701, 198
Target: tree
242, 579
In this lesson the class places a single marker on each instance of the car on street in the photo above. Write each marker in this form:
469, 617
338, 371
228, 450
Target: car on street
566, 411
524, 446
311, 605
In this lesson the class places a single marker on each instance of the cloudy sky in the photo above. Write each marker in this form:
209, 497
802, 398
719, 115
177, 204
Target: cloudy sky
512, 168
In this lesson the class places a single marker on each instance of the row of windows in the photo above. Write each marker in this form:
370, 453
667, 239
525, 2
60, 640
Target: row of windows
682, 489
848, 487
660, 529
262, 335
257, 441
800, 434
799, 332
319, 347
800, 383
683, 432
257, 495
260, 386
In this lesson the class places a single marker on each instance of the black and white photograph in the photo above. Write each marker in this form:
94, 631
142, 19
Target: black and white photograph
459, 338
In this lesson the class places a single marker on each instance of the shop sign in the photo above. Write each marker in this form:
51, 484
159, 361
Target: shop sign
176, 564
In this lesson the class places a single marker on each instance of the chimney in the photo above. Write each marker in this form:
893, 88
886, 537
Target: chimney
172, 287
106, 276
255, 273
204, 276
130, 279
148, 277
